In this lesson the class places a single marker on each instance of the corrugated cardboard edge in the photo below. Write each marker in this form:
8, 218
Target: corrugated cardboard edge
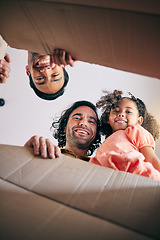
127, 200
26, 215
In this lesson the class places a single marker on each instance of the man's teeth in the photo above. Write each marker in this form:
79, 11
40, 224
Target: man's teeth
81, 131
43, 62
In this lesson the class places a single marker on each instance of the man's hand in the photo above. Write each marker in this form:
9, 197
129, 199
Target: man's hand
43, 147
62, 58
5, 68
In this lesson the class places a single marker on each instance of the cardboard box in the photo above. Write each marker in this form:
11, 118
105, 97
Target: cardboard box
67, 198
119, 34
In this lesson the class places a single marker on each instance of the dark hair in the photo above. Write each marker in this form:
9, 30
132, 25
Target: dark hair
108, 101
52, 96
60, 124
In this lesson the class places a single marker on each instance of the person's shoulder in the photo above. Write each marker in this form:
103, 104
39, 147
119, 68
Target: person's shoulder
139, 136
135, 128
134, 132
142, 130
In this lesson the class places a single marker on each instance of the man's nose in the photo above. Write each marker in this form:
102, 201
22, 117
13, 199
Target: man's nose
83, 122
46, 71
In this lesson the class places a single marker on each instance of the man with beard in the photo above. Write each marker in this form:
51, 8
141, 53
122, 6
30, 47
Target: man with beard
77, 132
47, 75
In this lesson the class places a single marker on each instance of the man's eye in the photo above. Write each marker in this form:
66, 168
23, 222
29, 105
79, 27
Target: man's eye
92, 122
55, 75
77, 118
40, 78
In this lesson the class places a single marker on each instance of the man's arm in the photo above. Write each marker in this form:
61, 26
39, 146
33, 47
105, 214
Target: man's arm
62, 58
43, 147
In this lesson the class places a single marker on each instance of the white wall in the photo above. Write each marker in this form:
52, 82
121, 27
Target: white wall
24, 114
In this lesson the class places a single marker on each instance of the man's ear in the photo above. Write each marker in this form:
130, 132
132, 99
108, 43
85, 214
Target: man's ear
27, 70
108, 120
140, 120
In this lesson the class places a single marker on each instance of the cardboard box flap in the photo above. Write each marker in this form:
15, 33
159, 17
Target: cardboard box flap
125, 199
150, 6
120, 39
26, 215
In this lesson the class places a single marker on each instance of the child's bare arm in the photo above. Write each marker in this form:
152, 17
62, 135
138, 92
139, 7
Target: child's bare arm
151, 157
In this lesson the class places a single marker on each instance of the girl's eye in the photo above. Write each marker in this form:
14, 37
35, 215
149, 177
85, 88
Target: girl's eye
115, 111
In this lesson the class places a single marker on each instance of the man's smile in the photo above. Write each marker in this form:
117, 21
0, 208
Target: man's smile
42, 62
82, 131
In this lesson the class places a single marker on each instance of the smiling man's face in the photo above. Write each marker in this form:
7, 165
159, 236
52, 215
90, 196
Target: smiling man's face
47, 76
81, 128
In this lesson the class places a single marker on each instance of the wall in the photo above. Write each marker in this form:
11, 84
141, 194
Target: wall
25, 115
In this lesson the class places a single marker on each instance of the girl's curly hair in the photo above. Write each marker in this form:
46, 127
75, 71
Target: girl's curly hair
108, 101
60, 124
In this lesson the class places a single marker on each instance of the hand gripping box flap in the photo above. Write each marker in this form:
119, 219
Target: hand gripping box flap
117, 34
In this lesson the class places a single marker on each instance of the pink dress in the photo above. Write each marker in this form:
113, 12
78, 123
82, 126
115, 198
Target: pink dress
120, 151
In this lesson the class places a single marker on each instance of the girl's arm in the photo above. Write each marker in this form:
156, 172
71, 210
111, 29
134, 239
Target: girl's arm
151, 157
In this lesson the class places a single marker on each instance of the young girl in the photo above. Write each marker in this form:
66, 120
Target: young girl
130, 132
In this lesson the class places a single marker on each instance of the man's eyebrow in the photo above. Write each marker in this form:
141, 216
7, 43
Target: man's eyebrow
79, 114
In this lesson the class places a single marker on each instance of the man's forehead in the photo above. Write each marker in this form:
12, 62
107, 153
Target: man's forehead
84, 111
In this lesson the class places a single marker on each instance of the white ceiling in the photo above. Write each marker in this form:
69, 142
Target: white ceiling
24, 114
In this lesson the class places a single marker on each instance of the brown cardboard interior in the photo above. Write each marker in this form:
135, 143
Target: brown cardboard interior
25, 215
76, 190
66, 197
119, 35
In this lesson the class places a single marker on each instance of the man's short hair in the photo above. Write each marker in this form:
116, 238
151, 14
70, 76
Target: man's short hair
52, 96
60, 124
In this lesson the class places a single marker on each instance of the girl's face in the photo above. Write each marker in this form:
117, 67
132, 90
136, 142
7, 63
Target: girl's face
124, 114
